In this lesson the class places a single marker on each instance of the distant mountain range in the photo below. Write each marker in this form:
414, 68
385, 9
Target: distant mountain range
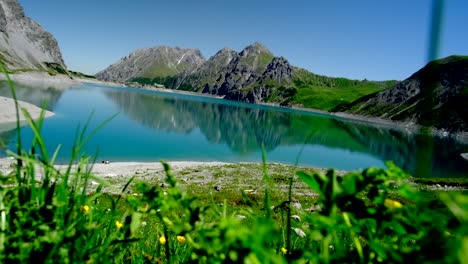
253, 75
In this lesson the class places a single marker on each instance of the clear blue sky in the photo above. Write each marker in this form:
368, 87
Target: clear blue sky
373, 39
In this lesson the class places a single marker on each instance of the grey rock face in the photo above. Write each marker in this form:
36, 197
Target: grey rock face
23, 42
154, 62
278, 70
244, 69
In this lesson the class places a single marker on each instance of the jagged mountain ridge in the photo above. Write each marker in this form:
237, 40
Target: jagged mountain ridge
253, 75
246, 70
24, 44
160, 61
435, 96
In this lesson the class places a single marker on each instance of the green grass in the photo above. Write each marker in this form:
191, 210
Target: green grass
81, 75
52, 69
263, 59
163, 70
159, 69
326, 93
56, 67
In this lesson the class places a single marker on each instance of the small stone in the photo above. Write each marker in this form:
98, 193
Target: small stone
297, 205
296, 217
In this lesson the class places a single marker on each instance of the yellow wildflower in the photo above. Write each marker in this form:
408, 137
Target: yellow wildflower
181, 238
447, 233
84, 208
284, 250
392, 204
118, 224
90, 261
162, 240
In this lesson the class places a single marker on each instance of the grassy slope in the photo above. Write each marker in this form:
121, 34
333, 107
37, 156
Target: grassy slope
322, 92
264, 58
162, 70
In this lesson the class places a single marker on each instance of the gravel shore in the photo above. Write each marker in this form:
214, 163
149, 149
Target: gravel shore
8, 112
219, 175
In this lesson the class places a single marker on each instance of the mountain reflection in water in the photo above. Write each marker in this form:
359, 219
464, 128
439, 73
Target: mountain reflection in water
246, 129
154, 125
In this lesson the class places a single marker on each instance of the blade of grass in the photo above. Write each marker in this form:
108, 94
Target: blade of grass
125, 188
80, 142
266, 179
18, 126
37, 135
288, 217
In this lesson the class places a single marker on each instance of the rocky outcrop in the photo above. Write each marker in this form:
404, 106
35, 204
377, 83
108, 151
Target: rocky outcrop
244, 69
154, 62
24, 44
275, 79
279, 70
435, 96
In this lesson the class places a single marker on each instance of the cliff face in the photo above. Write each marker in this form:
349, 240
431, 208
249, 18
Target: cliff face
24, 44
244, 71
154, 62
435, 96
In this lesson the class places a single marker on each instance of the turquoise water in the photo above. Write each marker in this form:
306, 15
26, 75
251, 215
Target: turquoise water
151, 126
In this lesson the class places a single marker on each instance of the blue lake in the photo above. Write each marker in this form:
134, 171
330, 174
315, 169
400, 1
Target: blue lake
151, 126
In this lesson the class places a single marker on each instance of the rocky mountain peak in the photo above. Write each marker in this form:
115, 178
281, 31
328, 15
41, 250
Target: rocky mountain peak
223, 57
255, 49
278, 70
159, 61
224, 52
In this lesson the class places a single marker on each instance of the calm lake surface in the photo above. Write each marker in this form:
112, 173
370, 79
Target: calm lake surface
152, 126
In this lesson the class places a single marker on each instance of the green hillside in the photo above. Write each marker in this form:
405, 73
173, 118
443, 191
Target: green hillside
322, 92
